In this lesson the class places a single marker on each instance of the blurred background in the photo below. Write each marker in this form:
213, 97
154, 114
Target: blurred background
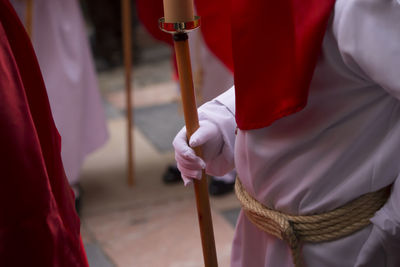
79, 48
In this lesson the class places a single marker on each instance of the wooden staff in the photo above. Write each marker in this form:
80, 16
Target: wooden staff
127, 46
176, 12
29, 17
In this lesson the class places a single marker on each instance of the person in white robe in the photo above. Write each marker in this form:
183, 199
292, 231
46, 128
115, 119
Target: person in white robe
343, 144
61, 45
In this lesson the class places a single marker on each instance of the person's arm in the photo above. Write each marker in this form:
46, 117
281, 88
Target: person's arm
216, 135
368, 36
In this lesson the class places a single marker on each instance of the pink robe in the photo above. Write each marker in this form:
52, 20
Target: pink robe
345, 143
61, 44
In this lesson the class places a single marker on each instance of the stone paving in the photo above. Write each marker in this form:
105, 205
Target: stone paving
149, 224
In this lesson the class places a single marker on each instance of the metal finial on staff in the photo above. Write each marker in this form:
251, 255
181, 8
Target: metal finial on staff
178, 20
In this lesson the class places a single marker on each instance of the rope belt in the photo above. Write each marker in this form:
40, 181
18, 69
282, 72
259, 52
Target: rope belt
328, 226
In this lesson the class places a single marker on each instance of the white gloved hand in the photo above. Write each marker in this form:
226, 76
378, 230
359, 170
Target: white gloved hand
209, 137
216, 134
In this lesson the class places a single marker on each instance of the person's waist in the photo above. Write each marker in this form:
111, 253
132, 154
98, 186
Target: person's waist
323, 227
314, 198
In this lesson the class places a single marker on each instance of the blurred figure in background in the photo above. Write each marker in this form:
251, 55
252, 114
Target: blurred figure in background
106, 32
106, 38
61, 45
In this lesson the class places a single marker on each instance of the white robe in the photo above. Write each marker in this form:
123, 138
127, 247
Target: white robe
345, 143
61, 45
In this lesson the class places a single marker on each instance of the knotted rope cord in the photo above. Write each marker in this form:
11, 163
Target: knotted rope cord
328, 226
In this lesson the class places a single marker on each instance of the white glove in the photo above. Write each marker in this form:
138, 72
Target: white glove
216, 134
209, 137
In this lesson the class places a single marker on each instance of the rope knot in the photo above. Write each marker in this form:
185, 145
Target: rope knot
295, 229
289, 235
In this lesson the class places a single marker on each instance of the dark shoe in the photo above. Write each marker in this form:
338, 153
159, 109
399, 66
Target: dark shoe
219, 188
172, 175
78, 198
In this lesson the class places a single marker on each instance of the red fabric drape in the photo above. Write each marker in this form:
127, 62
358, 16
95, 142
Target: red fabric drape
216, 28
149, 11
38, 222
272, 47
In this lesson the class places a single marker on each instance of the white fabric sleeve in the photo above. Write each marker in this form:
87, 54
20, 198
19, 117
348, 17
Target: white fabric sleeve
221, 111
368, 36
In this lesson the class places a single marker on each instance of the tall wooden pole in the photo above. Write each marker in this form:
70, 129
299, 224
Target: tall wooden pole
29, 17
192, 124
176, 12
127, 46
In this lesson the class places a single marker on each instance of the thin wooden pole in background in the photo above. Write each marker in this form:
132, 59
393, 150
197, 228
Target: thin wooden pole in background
127, 46
29, 17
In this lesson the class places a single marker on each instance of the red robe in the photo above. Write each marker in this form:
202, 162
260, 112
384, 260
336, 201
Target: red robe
38, 222
272, 47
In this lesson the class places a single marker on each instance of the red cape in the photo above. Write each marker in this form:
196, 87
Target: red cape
272, 47
38, 222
